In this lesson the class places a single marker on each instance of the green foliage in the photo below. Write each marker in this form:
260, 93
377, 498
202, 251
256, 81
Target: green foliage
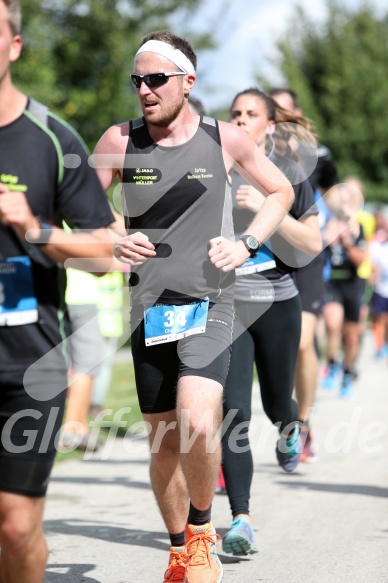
122, 395
339, 72
221, 114
375, 192
78, 55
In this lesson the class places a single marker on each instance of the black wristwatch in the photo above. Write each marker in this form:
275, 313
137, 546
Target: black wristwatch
45, 232
251, 243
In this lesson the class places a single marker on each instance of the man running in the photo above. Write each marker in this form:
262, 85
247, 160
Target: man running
175, 169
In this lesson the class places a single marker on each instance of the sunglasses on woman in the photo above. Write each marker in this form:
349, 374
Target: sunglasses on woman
154, 79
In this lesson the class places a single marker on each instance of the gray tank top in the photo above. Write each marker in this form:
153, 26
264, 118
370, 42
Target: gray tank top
180, 197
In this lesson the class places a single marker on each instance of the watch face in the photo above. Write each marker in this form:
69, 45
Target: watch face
252, 242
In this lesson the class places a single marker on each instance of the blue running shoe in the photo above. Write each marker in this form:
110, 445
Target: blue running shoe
382, 353
330, 380
240, 540
346, 390
288, 451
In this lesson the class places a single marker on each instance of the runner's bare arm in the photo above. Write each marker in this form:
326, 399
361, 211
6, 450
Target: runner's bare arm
303, 233
15, 212
109, 154
109, 160
241, 154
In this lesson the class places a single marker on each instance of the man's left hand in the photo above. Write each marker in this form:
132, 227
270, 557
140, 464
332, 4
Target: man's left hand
227, 255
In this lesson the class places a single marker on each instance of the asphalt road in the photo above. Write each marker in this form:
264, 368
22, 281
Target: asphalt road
325, 523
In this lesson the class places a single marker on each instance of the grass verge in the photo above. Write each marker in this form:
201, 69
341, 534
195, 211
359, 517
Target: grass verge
121, 403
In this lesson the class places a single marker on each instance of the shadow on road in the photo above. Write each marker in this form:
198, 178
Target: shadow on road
360, 489
117, 481
68, 573
107, 532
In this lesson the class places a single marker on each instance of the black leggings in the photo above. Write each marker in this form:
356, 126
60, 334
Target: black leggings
272, 343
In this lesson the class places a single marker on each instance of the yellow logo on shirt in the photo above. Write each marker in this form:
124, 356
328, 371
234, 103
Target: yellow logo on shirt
12, 182
144, 176
199, 173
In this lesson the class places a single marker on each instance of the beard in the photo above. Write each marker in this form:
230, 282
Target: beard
165, 118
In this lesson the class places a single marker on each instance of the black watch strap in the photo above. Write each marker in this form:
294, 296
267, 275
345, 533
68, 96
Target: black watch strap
251, 243
46, 230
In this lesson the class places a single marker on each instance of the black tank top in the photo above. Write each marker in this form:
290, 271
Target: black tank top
180, 197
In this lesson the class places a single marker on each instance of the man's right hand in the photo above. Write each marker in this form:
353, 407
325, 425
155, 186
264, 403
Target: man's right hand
134, 249
16, 212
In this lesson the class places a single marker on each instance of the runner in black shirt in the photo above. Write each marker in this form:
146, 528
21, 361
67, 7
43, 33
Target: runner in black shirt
309, 280
342, 300
37, 190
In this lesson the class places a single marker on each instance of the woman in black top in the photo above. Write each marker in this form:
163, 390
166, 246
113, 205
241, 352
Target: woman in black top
268, 311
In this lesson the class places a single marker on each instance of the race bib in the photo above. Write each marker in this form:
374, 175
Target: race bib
264, 260
18, 303
165, 323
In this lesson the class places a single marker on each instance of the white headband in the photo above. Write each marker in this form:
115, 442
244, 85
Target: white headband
168, 51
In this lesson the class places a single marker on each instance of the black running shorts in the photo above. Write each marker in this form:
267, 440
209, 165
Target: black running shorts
348, 294
29, 424
309, 281
158, 368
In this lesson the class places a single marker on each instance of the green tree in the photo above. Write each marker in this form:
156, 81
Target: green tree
78, 55
339, 71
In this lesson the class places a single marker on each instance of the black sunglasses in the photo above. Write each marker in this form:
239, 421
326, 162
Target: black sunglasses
154, 79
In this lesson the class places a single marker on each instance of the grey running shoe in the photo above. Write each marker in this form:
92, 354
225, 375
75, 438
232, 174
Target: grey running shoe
288, 451
240, 540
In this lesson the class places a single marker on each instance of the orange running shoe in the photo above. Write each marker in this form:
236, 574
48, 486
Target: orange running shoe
203, 564
177, 567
